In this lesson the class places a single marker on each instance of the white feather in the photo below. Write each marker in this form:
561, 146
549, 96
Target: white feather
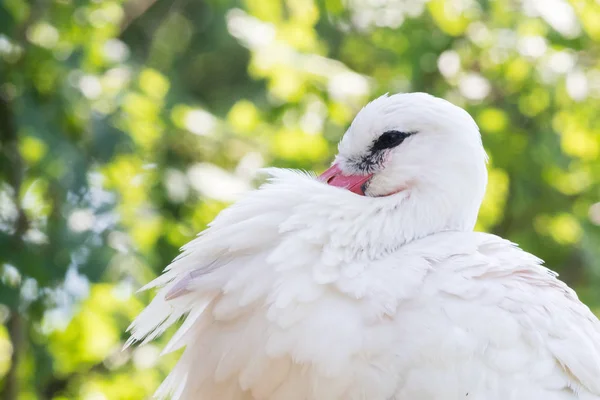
303, 291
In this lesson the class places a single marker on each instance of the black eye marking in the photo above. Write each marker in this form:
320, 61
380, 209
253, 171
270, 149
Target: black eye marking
374, 158
389, 140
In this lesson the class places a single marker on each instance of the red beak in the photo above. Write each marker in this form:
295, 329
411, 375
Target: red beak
354, 183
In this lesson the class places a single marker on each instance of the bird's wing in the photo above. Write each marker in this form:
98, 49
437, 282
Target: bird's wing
551, 317
224, 276
239, 236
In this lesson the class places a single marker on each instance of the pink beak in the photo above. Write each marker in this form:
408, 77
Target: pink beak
354, 183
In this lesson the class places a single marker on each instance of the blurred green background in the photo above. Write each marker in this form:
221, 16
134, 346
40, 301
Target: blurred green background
126, 126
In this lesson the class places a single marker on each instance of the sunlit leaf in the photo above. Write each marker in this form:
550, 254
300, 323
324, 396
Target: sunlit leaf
449, 18
153, 83
32, 149
243, 116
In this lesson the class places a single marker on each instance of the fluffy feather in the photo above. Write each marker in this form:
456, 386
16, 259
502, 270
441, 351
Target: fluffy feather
303, 291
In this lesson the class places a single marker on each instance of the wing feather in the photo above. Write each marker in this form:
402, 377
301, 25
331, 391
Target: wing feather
549, 313
277, 305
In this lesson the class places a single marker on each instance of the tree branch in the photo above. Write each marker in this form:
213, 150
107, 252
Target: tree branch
10, 148
133, 10
15, 331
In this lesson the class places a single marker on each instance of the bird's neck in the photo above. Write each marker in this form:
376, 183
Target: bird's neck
350, 227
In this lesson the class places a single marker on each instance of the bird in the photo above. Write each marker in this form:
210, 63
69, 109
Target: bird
369, 282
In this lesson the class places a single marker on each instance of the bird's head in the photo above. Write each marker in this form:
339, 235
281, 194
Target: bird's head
419, 149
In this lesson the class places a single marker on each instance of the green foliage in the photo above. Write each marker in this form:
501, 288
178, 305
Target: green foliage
126, 127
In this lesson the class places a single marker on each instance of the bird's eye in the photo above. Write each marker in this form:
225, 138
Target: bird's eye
389, 139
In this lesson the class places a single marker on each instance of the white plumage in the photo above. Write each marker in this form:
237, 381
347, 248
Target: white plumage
306, 291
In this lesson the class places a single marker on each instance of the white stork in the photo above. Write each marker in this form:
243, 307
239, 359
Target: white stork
368, 283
